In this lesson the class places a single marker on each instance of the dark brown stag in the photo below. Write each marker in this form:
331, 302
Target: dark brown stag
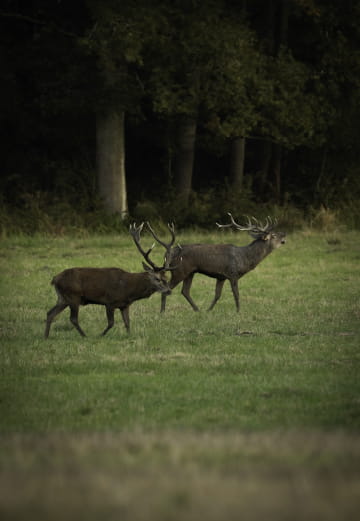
222, 261
110, 287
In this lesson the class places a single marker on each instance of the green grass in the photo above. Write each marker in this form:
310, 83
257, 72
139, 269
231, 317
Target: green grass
188, 406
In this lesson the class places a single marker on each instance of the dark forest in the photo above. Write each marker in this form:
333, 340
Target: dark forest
178, 109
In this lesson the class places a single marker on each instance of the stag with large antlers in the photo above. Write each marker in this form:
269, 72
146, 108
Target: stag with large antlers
110, 287
222, 261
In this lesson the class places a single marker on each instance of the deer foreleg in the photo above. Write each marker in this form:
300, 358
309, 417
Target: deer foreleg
235, 290
126, 318
110, 319
218, 290
74, 313
163, 303
52, 313
186, 291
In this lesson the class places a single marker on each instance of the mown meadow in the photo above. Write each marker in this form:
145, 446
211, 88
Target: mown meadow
210, 415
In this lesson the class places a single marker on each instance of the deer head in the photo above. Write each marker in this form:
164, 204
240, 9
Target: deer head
258, 230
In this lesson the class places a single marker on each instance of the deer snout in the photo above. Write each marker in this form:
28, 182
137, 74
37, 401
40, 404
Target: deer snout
282, 236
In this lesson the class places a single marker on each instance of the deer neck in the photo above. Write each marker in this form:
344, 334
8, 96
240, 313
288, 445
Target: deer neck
141, 286
256, 252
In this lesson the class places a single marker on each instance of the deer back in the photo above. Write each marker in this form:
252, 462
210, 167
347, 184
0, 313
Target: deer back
105, 285
209, 259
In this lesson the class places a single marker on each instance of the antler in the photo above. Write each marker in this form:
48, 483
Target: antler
255, 228
135, 232
166, 245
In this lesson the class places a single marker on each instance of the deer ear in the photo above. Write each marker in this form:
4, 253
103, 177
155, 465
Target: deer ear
266, 237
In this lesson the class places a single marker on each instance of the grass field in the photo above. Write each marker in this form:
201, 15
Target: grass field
192, 416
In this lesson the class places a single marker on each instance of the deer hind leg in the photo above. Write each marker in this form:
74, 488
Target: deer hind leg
110, 319
126, 317
235, 290
52, 313
218, 289
74, 313
186, 291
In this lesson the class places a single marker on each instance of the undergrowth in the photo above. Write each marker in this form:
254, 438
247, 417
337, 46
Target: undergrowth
46, 214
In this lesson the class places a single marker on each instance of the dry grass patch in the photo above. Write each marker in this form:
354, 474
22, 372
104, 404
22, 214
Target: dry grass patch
181, 476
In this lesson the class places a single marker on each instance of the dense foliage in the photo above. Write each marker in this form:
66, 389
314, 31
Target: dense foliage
283, 76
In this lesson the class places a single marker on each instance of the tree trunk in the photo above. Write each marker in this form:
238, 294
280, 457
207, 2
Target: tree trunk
284, 23
277, 158
237, 160
265, 158
277, 149
110, 155
269, 25
265, 151
276, 31
184, 159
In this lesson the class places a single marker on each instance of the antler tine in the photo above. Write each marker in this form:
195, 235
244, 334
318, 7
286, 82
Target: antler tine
171, 227
135, 232
269, 223
223, 225
247, 228
261, 227
264, 228
253, 225
166, 245
232, 223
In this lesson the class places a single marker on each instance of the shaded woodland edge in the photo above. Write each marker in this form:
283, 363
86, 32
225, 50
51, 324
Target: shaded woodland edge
203, 108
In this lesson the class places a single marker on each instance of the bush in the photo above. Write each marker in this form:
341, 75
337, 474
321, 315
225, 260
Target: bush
45, 213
